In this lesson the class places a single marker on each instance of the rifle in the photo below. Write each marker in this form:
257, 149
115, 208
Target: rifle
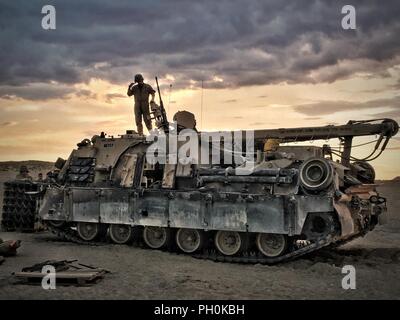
59, 265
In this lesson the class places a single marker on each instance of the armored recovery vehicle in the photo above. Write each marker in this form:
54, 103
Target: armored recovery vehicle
296, 198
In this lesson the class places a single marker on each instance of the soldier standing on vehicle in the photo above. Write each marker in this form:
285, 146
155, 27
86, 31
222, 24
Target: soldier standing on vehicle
23, 174
141, 92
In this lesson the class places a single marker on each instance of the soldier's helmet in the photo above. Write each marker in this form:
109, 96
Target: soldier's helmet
138, 77
23, 169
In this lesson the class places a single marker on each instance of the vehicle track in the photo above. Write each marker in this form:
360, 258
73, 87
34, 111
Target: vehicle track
249, 257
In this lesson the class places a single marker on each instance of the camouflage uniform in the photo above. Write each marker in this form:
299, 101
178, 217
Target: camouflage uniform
141, 92
23, 174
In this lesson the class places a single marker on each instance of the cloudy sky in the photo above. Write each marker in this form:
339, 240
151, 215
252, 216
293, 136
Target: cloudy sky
263, 64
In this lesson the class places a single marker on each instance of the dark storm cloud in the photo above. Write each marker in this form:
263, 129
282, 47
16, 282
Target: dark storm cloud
395, 86
329, 107
389, 114
257, 42
8, 123
111, 96
86, 94
35, 91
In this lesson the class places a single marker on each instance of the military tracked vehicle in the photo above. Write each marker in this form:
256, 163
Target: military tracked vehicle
295, 199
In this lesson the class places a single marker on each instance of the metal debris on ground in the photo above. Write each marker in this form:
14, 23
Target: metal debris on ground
9, 247
68, 272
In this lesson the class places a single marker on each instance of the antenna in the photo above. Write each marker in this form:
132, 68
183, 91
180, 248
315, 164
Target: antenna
169, 97
201, 105
159, 94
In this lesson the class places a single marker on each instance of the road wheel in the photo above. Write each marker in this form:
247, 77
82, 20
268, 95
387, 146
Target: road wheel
271, 245
156, 237
90, 231
189, 240
228, 243
121, 233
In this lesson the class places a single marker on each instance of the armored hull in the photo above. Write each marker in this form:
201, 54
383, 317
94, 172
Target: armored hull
295, 199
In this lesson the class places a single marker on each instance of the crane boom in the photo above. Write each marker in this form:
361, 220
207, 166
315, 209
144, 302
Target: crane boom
386, 128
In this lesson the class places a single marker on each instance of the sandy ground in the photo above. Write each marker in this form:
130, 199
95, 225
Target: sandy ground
146, 274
